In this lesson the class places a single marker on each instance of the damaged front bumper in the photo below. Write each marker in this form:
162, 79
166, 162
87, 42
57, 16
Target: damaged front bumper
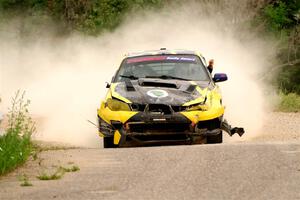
144, 128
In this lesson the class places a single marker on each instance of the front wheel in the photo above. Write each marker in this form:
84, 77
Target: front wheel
108, 142
215, 139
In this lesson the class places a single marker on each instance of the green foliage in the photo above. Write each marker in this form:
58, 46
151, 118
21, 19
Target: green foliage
88, 16
14, 150
281, 14
282, 20
25, 181
103, 15
58, 174
97, 16
289, 79
74, 168
289, 103
15, 144
277, 16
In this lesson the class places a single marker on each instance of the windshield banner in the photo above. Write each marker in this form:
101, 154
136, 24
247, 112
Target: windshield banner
162, 58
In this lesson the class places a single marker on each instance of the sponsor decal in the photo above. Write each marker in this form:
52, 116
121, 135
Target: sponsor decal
161, 58
157, 93
188, 59
173, 58
184, 59
146, 59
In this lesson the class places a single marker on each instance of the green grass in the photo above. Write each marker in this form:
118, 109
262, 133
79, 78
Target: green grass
54, 176
289, 103
15, 144
25, 181
26, 184
58, 174
74, 168
14, 150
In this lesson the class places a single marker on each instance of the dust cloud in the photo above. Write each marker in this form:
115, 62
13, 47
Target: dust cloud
65, 77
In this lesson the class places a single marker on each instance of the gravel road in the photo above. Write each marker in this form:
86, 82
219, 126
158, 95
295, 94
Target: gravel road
264, 167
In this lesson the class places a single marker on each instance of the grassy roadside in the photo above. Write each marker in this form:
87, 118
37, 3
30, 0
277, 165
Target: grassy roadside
289, 103
15, 143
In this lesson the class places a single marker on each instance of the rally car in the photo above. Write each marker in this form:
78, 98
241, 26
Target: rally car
163, 96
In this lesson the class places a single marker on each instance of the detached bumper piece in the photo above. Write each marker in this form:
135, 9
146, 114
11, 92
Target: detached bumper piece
231, 131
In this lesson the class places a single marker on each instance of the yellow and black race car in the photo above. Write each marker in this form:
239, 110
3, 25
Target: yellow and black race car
163, 96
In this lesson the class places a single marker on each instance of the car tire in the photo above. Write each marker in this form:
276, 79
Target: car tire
215, 139
108, 142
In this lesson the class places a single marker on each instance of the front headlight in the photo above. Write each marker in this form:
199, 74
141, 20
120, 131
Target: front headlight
116, 105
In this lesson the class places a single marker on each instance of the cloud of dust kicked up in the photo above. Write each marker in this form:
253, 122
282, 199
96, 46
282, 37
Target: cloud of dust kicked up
65, 77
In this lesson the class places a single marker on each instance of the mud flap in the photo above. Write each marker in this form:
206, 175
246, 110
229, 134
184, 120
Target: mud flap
231, 131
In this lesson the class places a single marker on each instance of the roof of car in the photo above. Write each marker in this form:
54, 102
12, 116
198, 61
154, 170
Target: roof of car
162, 51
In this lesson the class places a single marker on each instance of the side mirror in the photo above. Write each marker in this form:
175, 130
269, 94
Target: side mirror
220, 77
107, 85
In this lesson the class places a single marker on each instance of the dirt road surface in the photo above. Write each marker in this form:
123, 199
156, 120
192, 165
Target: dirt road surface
266, 167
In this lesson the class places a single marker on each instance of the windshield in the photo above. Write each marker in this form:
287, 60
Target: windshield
181, 67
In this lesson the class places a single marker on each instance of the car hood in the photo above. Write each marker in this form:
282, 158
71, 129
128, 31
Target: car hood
160, 91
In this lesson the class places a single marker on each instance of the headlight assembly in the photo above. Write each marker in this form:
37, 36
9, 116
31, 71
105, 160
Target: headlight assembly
116, 105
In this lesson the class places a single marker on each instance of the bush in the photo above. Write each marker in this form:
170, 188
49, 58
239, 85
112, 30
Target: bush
88, 16
15, 144
288, 80
289, 103
277, 16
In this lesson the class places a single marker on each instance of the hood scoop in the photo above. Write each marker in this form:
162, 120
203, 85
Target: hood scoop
157, 84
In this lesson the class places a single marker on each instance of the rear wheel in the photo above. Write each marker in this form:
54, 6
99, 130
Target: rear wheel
215, 139
108, 142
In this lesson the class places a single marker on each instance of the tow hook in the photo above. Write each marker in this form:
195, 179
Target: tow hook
231, 131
